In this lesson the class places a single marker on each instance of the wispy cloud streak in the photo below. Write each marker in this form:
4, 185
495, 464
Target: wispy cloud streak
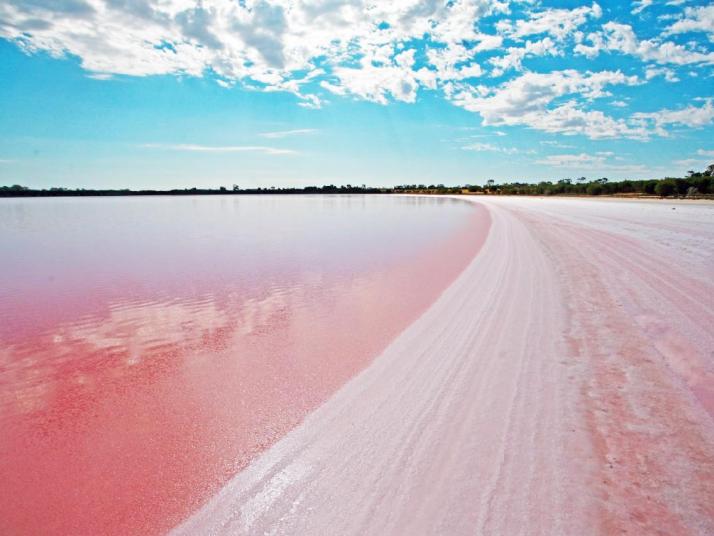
285, 133
187, 147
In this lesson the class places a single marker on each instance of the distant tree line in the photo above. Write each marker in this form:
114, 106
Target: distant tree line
17, 190
696, 184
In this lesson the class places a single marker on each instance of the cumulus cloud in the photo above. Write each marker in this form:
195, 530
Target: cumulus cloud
618, 37
530, 100
535, 100
273, 45
558, 23
379, 83
690, 116
515, 56
320, 50
668, 74
695, 19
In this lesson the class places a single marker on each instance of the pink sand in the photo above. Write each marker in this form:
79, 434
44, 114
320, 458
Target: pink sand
561, 385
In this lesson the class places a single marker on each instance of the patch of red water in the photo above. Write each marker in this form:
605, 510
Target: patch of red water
126, 423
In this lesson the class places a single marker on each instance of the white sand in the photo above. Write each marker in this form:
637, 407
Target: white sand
564, 384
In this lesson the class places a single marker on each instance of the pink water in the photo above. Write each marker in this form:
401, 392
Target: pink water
151, 347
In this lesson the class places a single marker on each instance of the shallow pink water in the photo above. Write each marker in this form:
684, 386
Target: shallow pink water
150, 348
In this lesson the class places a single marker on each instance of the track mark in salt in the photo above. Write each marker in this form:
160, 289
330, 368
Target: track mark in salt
260, 503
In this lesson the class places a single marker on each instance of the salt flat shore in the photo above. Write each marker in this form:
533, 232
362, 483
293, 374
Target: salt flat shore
563, 384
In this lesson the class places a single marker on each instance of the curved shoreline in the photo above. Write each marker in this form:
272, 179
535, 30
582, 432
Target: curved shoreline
528, 397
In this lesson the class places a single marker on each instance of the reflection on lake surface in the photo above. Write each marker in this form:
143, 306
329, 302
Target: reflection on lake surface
151, 347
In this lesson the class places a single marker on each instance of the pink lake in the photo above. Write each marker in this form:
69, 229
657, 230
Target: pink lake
151, 347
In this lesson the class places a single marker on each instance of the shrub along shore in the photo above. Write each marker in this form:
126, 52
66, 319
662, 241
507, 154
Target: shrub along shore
698, 185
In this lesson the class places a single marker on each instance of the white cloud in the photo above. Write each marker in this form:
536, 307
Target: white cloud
553, 143
489, 147
558, 23
193, 148
378, 84
689, 116
617, 37
515, 56
529, 100
691, 163
100, 76
265, 44
536, 100
570, 160
695, 19
668, 74
590, 163
445, 61
286, 133
640, 5
488, 42
703, 152
375, 50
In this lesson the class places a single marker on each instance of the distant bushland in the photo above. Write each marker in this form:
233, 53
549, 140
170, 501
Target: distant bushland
17, 190
694, 185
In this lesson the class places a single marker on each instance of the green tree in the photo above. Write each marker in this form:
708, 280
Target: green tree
594, 188
665, 187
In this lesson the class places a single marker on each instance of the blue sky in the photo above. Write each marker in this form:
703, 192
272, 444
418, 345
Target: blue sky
172, 93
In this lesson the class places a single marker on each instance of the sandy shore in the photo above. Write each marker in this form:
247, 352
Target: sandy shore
564, 384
